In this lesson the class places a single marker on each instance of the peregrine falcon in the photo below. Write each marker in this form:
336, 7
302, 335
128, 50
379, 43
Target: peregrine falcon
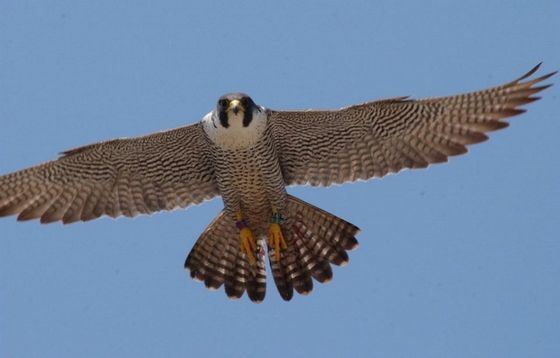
248, 155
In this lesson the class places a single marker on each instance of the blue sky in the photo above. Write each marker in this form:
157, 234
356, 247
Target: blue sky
460, 260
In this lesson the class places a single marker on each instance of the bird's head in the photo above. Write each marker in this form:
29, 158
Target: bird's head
236, 109
236, 122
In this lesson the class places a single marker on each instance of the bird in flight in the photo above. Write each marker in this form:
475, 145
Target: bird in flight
248, 154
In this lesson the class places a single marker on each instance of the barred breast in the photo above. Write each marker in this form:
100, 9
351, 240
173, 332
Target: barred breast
250, 180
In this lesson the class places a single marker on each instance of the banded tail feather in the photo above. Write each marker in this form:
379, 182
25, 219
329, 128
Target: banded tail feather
315, 239
217, 260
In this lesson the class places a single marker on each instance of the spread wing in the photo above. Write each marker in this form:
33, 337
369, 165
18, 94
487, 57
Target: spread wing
380, 137
161, 171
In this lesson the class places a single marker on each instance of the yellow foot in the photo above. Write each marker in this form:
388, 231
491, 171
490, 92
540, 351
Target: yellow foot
276, 239
248, 244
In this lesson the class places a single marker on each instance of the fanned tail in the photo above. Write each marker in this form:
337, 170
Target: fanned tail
217, 260
315, 239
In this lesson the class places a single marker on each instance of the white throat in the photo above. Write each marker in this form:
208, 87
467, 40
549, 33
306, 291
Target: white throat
235, 136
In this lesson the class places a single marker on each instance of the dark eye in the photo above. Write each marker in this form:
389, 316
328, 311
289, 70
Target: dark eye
245, 101
223, 102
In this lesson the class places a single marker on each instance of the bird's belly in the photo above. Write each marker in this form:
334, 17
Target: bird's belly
252, 190
251, 181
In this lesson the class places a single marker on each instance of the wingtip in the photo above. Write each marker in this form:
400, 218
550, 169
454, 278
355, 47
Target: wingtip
531, 71
527, 74
544, 77
538, 65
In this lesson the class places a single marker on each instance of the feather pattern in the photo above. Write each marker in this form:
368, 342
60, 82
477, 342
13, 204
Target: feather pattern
376, 138
126, 177
315, 239
216, 259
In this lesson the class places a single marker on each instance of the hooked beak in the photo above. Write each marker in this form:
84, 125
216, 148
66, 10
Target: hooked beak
235, 106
